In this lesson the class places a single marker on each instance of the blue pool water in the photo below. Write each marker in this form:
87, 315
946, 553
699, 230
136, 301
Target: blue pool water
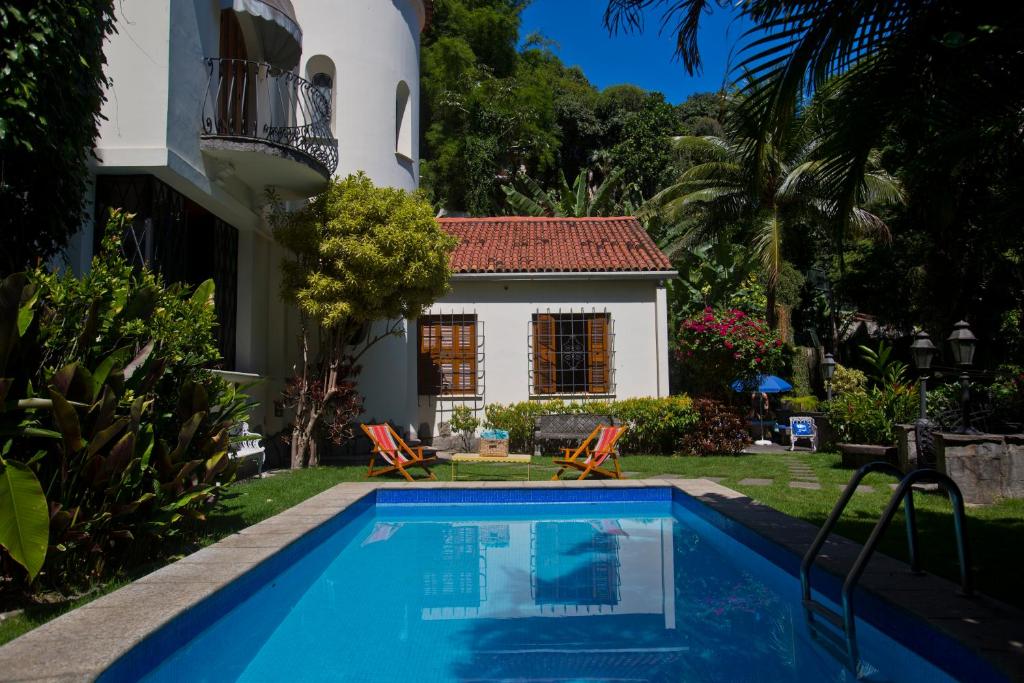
655, 589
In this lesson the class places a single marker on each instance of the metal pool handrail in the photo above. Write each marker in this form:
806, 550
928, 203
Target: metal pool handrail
904, 494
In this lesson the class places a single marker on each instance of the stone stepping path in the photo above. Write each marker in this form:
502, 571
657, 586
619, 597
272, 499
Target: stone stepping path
801, 475
863, 488
755, 482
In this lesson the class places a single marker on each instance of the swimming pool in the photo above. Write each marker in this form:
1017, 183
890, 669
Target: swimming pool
527, 585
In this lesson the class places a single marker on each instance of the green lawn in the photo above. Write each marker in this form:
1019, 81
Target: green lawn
995, 531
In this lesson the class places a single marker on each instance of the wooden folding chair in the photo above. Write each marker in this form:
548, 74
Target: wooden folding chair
594, 457
396, 453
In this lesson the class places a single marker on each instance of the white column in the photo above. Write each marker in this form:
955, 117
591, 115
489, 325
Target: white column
661, 337
245, 352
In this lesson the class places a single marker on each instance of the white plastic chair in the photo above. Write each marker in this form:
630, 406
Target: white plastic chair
803, 428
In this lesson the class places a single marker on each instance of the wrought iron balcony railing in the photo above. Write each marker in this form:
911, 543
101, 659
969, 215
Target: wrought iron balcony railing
255, 101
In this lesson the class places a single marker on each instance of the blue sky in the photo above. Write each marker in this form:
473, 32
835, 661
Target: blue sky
643, 59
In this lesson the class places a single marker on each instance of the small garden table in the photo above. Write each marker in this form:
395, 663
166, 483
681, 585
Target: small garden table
514, 458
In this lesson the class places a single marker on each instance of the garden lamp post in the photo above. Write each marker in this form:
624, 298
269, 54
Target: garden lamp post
962, 343
828, 368
923, 350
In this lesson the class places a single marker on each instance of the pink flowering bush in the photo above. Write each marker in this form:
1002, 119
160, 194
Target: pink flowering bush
717, 347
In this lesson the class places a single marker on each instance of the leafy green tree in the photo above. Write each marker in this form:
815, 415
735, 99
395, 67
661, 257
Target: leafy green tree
51, 88
490, 113
638, 124
361, 255
582, 199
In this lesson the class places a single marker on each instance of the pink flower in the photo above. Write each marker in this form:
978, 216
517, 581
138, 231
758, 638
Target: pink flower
729, 345
737, 355
757, 360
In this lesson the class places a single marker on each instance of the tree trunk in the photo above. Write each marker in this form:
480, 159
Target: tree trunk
771, 314
299, 445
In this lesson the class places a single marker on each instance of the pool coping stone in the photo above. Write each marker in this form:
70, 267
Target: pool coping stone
80, 645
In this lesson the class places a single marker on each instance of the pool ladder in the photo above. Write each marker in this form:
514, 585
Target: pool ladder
845, 622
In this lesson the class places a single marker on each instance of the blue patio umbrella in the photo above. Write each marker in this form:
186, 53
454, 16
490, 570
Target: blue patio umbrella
768, 384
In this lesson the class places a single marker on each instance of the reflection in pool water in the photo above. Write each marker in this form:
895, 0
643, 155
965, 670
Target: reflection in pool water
633, 592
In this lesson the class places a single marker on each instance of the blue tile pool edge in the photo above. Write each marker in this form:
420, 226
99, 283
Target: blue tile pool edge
909, 630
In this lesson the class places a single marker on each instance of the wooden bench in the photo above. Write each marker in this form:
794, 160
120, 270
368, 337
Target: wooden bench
567, 427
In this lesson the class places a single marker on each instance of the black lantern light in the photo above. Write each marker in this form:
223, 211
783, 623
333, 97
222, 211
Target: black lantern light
962, 343
923, 350
828, 368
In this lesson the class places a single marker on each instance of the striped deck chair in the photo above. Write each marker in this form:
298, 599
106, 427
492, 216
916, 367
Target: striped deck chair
396, 453
604, 448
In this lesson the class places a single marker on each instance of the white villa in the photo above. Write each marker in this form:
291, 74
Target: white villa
544, 308
213, 102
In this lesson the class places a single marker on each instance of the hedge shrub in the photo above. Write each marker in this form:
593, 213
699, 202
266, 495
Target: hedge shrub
720, 430
656, 425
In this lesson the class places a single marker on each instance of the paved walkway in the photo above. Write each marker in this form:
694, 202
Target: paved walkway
801, 476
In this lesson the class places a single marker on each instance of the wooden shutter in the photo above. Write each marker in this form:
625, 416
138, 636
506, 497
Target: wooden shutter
464, 359
598, 355
428, 376
545, 358
446, 362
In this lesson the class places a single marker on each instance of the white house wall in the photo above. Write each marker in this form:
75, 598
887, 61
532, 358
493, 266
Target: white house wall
374, 45
152, 125
505, 309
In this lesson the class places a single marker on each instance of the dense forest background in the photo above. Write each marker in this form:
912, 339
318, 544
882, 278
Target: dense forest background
933, 233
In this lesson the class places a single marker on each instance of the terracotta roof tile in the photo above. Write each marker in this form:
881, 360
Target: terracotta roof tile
516, 244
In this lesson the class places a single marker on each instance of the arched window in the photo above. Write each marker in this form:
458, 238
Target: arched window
322, 76
324, 84
403, 121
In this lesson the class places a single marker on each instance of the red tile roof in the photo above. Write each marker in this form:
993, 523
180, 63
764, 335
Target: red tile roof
516, 244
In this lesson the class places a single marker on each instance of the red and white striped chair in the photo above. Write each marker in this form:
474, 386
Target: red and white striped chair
604, 448
395, 452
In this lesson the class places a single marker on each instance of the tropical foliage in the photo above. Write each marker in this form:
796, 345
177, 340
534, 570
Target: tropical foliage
580, 200
114, 434
363, 258
497, 109
47, 123
864, 413
765, 193
925, 89
720, 347
720, 430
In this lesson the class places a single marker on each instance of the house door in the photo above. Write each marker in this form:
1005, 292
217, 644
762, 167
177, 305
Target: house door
237, 80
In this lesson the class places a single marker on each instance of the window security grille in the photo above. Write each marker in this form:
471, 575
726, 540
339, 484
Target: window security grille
450, 359
177, 238
450, 364
571, 353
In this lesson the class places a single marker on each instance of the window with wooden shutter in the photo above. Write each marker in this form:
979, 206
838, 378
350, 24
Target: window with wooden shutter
597, 355
571, 353
447, 362
544, 354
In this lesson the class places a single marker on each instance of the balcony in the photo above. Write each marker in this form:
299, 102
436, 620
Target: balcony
268, 127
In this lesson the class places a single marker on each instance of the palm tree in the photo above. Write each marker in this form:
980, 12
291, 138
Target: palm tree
579, 200
963, 60
762, 191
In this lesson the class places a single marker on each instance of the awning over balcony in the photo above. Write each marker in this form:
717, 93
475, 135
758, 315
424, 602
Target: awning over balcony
279, 31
